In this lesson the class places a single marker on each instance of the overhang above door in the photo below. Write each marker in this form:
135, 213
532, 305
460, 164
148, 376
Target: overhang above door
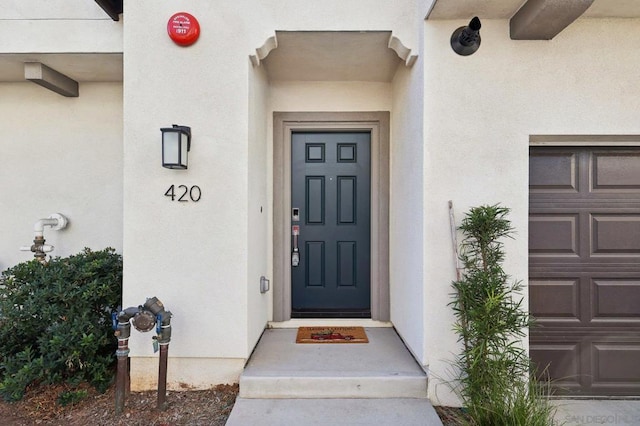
82, 67
534, 19
332, 56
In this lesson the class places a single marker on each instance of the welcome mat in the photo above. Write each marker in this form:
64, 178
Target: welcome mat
331, 335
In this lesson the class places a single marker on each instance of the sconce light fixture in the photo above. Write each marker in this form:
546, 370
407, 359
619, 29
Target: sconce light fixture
466, 40
176, 144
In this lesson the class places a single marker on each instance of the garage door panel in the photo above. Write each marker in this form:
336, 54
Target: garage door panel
588, 363
615, 172
616, 299
552, 300
561, 361
615, 234
615, 362
553, 172
585, 299
554, 235
584, 268
558, 362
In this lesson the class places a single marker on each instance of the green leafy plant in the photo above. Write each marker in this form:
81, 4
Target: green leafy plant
496, 386
72, 397
55, 321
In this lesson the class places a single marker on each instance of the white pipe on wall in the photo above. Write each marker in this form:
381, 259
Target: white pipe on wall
38, 227
56, 221
45, 248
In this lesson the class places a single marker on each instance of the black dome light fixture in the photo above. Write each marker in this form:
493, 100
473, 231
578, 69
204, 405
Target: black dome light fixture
466, 40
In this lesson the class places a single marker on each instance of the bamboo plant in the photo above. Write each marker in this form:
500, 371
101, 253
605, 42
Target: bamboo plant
496, 386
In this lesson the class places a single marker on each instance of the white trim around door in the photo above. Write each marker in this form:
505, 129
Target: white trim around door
284, 124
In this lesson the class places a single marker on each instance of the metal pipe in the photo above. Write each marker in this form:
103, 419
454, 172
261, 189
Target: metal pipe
163, 337
127, 388
143, 319
162, 376
56, 221
123, 332
122, 376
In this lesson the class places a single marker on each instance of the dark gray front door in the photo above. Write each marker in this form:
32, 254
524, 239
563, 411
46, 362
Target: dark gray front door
584, 268
330, 200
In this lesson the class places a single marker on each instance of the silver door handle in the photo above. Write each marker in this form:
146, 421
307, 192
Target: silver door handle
295, 256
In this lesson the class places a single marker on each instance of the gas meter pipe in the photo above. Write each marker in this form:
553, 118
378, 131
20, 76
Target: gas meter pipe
163, 330
143, 317
123, 331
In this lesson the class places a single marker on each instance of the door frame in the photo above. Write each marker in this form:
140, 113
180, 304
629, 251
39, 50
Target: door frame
284, 124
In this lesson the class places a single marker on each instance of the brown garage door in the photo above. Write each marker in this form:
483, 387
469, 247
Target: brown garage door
584, 267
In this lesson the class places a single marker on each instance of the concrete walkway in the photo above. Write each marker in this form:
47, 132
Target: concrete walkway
333, 412
583, 412
377, 383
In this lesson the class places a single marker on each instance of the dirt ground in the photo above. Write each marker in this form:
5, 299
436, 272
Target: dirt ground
451, 416
40, 407
209, 407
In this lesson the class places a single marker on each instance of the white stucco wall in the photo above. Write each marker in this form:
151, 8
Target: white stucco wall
60, 155
460, 131
406, 233
479, 113
258, 205
58, 26
53, 9
193, 255
330, 96
204, 259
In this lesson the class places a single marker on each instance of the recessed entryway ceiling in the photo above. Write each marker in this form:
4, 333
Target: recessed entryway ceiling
505, 9
332, 56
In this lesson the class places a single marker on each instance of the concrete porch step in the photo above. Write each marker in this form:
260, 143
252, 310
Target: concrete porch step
382, 368
334, 412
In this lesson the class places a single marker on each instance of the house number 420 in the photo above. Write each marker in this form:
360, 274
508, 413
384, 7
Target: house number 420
184, 193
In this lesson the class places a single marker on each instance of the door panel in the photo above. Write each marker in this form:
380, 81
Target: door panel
330, 185
584, 267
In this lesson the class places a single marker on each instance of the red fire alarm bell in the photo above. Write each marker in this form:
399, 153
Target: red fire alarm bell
183, 28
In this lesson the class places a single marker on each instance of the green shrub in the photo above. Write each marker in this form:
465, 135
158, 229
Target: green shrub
72, 397
497, 387
55, 321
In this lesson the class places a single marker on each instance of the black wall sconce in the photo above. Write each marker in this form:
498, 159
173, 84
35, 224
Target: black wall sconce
466, 40
176, 144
